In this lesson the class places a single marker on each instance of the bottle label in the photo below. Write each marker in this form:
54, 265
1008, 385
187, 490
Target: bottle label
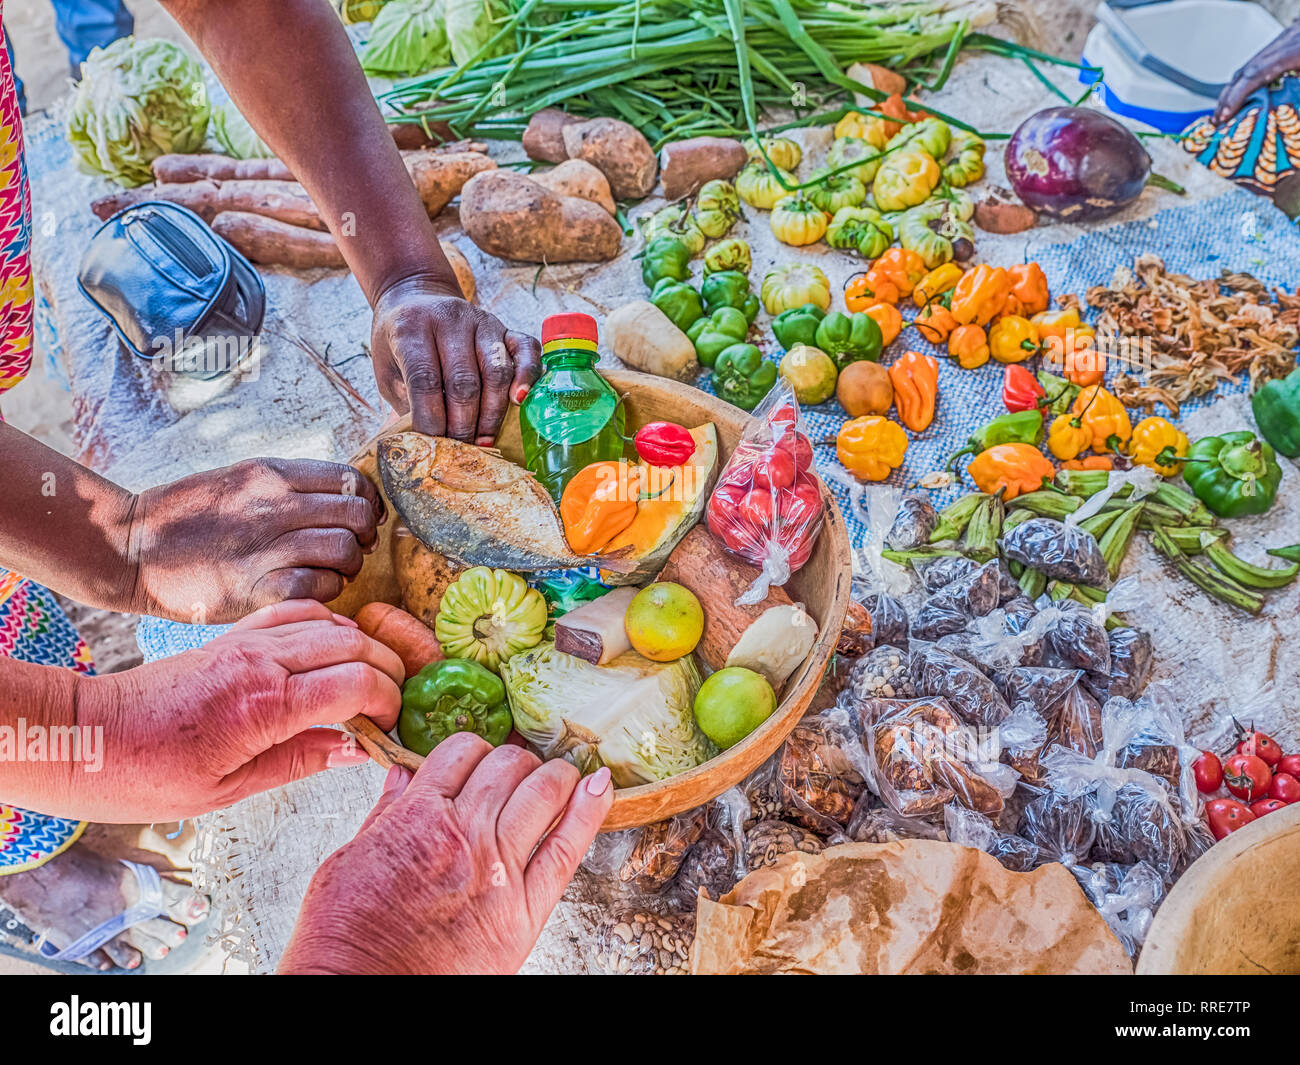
568, 344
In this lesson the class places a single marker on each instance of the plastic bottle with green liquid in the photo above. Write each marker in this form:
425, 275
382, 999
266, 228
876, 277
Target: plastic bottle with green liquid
571, 417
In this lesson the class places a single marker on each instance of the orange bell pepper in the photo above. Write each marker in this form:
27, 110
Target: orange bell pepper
1028, 295
887, 316
864, 291
980, 294
969, 345
915, 378
1104, 416
1013, 468
935, 322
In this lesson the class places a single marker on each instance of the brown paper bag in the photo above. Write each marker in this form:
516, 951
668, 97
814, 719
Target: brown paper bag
911, 906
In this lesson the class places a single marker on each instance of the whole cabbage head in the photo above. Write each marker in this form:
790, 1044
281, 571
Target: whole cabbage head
137, 100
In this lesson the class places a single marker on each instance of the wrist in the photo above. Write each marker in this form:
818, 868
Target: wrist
135, 556
421, 281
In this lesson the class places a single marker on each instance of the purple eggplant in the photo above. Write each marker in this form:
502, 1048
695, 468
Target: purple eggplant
1076, 163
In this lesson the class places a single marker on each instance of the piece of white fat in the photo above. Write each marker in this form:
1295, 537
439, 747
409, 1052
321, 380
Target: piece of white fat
595, 632
775, 643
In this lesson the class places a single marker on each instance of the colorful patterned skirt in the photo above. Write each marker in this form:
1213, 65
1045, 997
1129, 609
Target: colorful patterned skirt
34, 628
1260, 144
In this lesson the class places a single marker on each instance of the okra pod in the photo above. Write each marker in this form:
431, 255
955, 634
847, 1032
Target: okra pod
1247, 573
1016, 517
1291, 554
954, 518
1090, 597
981, 542
1033, 582
1082, 482
1013, 567
1099, 522
1194, 512
1209, 580
1191, 538
1151, 512
1114, 544
1059, 590
1049, 504
919, 553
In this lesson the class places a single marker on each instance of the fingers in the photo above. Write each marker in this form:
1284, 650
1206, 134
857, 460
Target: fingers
313, 548
497, 370
299, 756
298, 582
322, 511
289, 612
315, 476
494, 780
526, 353
336, 693
462, 384
552, 867
450, 764
394, 785
534, 807
320, 645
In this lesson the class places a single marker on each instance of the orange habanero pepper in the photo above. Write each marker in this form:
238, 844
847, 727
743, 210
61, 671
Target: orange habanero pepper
887, 316
1028, 295
863, 291
901, 266
1015, 468
915, 378
935, 322
980, 294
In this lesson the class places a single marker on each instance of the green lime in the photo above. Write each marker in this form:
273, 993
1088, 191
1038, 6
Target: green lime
732, 703
811, 373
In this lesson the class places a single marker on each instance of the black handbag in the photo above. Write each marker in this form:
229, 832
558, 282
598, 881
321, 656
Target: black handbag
175, 292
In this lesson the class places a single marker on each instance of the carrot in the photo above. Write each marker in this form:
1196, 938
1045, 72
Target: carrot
412, 641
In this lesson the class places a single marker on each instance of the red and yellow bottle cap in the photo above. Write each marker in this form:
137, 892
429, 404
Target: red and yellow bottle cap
573, 330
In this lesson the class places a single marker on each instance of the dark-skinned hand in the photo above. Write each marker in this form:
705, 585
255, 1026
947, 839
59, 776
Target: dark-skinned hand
1272, 61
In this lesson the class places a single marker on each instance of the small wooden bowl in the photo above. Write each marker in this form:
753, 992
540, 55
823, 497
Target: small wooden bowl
822, 585
1234, 912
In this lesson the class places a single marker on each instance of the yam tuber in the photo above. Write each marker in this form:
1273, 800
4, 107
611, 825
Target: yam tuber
686, 165
618, 150
644, 338
178, 169
513, 217
717, 578
577, 177
286, 201
544, 138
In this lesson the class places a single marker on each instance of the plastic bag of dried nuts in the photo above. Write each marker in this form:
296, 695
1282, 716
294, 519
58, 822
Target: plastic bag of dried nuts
766, 841
637, 941
881, 673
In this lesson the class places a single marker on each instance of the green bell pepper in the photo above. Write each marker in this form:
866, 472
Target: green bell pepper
1020, 427
719, 330
453, 695
665, 257
1233, 474
679, 301
729, 288
1277, 413
798, 325
742, 376
849, 338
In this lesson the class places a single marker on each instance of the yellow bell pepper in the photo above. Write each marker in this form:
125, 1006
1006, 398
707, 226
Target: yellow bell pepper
980, 294
1155, 442
871, 447
1013, 339
1105, 418
1011, 469
969, 346
887, 316
798, 221
938, 281
1067, 438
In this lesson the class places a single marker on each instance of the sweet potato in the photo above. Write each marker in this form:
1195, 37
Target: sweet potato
544, 138
577, 177
618, 150
178, 169
284, 200
1001, 212
422, 574
511, 216
439, 176
686, 165
644, 338
408, 637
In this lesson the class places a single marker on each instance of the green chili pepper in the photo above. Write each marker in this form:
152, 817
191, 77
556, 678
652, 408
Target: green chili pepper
1058, 393
1233, 474
729, 288
665, 257
798, 325
1277, 413
1020, 427
742, 376
954, 518
721, 329
678, 301
849, 338
453, 695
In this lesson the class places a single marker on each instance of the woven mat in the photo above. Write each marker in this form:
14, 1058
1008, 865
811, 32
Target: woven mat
257, 857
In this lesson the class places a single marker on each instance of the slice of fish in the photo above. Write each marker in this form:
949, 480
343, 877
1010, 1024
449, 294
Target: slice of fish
473, 506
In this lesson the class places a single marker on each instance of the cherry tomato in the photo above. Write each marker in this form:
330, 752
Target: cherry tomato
799, 448
756, 509
781, 419
1262, 746
1285, 787
775, 469
1267, 806
1208, 771
1247, 776
1226, 815
1289, 763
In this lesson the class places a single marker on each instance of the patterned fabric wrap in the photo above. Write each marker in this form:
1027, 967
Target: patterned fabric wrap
1260, 144
15, 238
34, 628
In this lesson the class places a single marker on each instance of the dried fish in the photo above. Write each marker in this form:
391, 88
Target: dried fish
474, 506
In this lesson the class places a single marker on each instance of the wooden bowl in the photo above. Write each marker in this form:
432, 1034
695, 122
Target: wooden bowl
1234, 912
822, 585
